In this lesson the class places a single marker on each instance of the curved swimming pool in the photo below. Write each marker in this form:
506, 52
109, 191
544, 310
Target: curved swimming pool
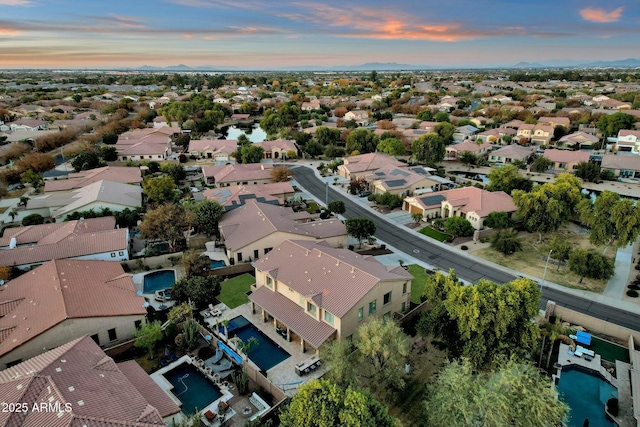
158, 281
586, 392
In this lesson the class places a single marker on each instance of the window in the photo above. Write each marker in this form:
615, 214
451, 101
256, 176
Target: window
112, 334
121, 253
267, 250
137, 324
387, 298
360, 313
256, 254
311, 308
113, 254
404, 287
386, 316
239, 256
403, 307
328, 317
372, 306
96, 338
269, 282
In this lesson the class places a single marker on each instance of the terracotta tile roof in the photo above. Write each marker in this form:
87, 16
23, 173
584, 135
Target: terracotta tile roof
143, 148
116, 193
469, 199
236, 195
148, 388
513, 152
370, 162
65, 289
108, 173
54, 232
611, 161
70, 375
283, 144
215, 145
341, 277
468, 145
627, 132
291, 314
579, 137
566, 156
238, 172
397, 178
68, 246
255, 220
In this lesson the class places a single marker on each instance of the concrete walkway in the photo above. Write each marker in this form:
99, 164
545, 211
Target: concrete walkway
617, 285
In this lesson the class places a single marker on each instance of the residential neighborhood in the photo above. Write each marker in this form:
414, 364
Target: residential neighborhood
211, 249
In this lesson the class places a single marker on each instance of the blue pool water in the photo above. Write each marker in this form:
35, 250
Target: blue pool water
217, 264
158, 281
586, 393
267, 353
192, 388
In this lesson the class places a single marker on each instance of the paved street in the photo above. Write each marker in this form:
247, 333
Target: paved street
467, 267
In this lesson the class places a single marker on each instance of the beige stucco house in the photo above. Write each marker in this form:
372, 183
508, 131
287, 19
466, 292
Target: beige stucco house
316, 293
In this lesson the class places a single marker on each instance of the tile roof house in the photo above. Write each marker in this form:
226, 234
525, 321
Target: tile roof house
628, 140
238, 174
578, 140
454, 151
464, 132
63, 300
252, 230
363, 164
101, 194
237, 195
277, 149
357, 115
80, 179
146, 144
541, 134
316, 292
218, 149
80, 385
90, 239
494, 136
565, 160
509, 153
472, 203
402, 181
555, 121
622, 166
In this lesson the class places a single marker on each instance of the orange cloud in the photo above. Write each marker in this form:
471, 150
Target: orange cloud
601, 15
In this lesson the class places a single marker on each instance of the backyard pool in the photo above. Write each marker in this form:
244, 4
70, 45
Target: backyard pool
267, 353
586, 392
192, 388
158, 281
217, 264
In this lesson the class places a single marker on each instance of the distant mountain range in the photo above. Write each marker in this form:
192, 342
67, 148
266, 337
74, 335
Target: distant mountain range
394, 66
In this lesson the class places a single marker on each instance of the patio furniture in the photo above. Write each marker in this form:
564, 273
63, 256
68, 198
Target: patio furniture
210, 416
308, 365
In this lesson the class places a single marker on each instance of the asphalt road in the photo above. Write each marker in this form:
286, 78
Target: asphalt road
466, 267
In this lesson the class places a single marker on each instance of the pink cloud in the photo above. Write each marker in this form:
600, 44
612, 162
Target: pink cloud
600, 15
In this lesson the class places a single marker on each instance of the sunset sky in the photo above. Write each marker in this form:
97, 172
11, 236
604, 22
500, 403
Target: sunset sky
270, 34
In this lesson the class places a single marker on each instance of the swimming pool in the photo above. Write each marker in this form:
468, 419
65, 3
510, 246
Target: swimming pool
586, 392
217, 264
158, 281
192, 388
267, 353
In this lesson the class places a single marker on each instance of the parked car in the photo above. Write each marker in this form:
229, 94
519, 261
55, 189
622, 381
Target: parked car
364, 193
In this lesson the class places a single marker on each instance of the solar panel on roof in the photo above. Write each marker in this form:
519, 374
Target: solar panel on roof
399, 172
378, 173
419, 170
395, 182
432, 200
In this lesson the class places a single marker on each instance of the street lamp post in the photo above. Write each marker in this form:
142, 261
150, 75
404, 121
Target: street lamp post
326, 193
544, 274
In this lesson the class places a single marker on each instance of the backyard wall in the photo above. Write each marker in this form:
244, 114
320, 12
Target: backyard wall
596, 325
152, 261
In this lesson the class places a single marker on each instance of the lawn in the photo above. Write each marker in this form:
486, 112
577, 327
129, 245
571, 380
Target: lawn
233, 291
531, 260
417, 284
434, 234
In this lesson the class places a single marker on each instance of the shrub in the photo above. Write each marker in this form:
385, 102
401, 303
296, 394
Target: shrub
632, 293
147, 268
634, 287
159, 267
33, 219
241, 379
464, 247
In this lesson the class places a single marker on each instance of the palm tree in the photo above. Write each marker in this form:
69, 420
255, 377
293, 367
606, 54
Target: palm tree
225, 323
555, 331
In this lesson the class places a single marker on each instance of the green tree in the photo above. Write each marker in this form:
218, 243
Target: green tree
611, 124
243, 140
578, 262
360, 228
167, 222
159, 189
109, 153
337, 207
361, 140
441, 116
175, 171
33, 178
541, 164
507, 179
611, 219
314, 148
320, 403
560, 249
458, 226
417, 217
445, 130
590, 264
468, 158
382, 349
251, 154
33, 219
506, 242
199, 291
515, 394
482, 322
425, 115
339, 357
392, 147
498, 220
110, 138
588, 171
429, 148
148, 335
195, 264
206, 215
327, 136
87, 160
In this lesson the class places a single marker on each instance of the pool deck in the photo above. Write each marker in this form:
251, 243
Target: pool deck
283, 375
621, 382
138, 281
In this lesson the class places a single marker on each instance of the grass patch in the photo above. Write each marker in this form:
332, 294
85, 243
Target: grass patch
150, 365
233, 291
531, 260
434, 234
417, 284
313, 207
